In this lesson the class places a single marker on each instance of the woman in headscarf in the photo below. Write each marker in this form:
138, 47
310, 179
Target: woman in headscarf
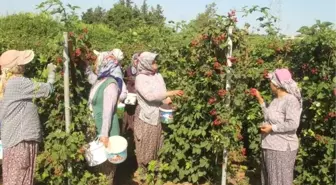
103, 100
20, 123
282, 118
130, 75
151, 94
115, 54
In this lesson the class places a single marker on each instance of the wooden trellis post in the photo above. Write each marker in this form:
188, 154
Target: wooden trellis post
66, 89
228, 86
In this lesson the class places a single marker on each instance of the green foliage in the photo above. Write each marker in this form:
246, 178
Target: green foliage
192, 58
124, 16
314, 61
98, 15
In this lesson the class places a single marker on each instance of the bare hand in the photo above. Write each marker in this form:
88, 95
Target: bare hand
257, 94
266, 129
168, 101
104, 140
178, 93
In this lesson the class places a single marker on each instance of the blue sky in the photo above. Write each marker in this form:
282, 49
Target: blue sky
293, 13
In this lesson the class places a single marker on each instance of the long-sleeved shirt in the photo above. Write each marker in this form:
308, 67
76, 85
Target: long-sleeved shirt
18, 114
284, 115
151, 91
92, 79
109, 104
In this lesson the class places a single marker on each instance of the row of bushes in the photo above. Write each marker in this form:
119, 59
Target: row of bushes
204, 124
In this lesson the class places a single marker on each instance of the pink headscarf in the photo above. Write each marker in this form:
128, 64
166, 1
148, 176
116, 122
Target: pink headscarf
282, 78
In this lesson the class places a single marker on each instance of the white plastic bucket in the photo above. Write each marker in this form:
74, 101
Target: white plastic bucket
166, 116
95, 154
131, 99
117, 149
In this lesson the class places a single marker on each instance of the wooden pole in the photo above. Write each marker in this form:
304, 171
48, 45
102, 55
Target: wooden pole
66, 89
228, 87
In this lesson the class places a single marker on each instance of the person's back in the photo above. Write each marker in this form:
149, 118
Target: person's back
20, 124
18, 114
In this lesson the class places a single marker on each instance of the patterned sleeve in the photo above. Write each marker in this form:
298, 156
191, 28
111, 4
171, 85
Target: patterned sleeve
145, 89
32, 89
264, 110
110, 101
123, 93
292, 118
92, 77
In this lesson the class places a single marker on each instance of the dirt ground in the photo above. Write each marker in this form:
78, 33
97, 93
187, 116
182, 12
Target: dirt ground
125, 174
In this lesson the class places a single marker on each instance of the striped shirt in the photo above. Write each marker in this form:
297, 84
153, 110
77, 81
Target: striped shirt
18, 114
284, 116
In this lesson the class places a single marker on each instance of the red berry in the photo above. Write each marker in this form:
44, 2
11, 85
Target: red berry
253, 91
260, 61
213, 112
278, 50
318, 137
212, 100
208, 73
240, 137
314, 71
78, 52
223, 36
332, 114
243, 151
194, 43
217, 65
217, 122
222, 93
59, 59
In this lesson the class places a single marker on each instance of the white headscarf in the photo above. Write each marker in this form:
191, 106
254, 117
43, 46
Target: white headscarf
146, 60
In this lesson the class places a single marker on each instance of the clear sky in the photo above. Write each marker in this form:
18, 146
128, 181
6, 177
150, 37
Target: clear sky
293, 13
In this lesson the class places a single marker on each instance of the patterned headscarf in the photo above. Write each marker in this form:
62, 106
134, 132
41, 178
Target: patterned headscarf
282, 78
146, 60
109, 67
134, 63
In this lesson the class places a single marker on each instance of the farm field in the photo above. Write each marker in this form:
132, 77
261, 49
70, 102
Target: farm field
193, 57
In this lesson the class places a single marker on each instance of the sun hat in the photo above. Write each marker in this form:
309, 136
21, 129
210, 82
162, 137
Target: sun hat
12, 58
